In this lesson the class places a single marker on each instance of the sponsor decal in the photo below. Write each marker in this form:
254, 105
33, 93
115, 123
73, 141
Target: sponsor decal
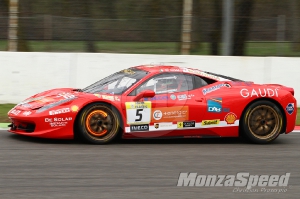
59, 111
15, 112
157, 114
239, 83
26, 113
290, 108
242, 179
66, 95
186, 124
152, 65
141, 127
97, 95
230, 118
182, 97
163, 125
164, 97
213, 88
259, 92
108, 97
205, 124
170, 114
226, 109
117, 98
173, 97
138, 112
185, 96
210, 122
198, 72
58, 124
74, 108
58, 119
214, 105
138, 105
175, 70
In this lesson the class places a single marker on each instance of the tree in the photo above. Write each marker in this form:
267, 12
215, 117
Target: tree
294, 7
241, 26
90, 46
24, 11
215, 35
4, 7
196, 26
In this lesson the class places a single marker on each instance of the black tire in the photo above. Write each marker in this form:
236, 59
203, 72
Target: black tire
98, 123
262, 122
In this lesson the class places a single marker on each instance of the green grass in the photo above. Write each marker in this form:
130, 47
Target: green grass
172, 48
298, 117
4, 108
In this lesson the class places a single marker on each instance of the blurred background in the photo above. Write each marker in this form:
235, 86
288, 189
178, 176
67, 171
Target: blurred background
197, 27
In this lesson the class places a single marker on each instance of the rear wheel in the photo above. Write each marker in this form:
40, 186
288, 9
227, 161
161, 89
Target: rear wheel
262, 122
98, 123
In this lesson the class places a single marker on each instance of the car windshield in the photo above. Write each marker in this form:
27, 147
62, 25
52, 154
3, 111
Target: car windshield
116, 83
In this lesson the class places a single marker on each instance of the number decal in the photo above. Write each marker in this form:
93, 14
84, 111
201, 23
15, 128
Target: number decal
140, 115
138, 112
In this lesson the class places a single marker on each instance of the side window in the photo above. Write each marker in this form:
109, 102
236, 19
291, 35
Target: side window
200, 82
167, 83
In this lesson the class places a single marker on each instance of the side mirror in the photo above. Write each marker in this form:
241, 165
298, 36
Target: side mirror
145, 93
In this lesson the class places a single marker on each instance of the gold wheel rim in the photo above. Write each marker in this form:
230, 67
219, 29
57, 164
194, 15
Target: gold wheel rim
263, 122
98, 123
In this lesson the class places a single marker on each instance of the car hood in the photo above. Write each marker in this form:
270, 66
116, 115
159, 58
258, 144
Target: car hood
54, 96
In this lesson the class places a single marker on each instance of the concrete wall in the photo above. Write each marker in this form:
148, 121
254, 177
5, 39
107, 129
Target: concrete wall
24, 74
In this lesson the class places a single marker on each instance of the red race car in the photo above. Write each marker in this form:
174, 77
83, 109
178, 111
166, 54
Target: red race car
159, 102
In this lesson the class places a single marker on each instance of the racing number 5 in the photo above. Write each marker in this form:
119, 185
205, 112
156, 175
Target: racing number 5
138, 114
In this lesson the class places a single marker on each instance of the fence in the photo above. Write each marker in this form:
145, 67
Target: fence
273, 28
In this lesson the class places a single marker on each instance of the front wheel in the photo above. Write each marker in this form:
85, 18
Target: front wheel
98, 123
262, 122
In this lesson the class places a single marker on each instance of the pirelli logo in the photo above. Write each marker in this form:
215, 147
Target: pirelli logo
210, 122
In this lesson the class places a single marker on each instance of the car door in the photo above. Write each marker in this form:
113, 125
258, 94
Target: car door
188, 98
139, 114
176, 109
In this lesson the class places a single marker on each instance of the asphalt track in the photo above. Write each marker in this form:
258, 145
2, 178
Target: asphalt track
37, 168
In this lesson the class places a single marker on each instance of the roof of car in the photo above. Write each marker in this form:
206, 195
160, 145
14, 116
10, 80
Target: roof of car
159, 68
166, 68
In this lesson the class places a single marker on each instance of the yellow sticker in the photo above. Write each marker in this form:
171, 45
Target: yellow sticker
210, 122
179, 125
128, 71
74, 108
138, 105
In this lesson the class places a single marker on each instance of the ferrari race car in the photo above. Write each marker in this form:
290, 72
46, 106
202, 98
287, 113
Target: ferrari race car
159, 102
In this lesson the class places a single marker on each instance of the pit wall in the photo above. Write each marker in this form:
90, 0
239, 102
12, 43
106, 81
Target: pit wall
24, 74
